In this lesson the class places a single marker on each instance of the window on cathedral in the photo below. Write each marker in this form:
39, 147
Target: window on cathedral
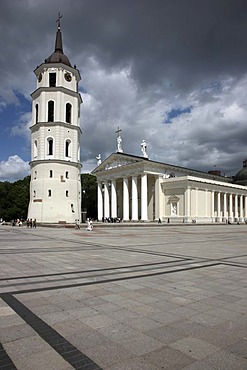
35, 149
51, 111
72, 208
36, 113
51, 174
67, 148
50, 146
67, 193
68, 112
67, 174
52, 79
49, 193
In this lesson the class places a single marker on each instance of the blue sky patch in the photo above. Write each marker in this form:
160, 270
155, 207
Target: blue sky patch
175, 112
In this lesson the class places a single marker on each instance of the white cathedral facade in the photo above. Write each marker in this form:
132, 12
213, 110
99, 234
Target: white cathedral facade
55, 188
136, 188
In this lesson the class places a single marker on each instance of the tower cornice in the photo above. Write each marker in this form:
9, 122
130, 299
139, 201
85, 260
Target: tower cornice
38, 91
45, 66
53, 124
60, 161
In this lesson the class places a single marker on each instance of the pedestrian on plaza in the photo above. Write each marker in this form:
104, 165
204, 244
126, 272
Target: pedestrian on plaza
89, 225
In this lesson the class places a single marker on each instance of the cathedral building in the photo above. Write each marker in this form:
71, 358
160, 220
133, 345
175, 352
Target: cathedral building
135, 188
55, 188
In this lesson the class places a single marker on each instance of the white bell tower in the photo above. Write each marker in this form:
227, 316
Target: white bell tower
55, 188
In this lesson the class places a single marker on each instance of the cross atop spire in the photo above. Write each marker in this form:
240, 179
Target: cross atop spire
58, 21
118, 131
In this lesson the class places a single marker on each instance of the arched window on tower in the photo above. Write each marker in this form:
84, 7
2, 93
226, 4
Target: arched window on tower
35, 149
51, 111
49, 193
67, 148
50, 146
36, 113
68, 113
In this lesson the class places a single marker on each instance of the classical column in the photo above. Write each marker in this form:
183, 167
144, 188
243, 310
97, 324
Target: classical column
196, 202
212, 205
245, 207
134, 199
236, 207
241, 207
218, 207
100, 201
157, 198
224, 207
230, 207
125, 199
144, 197
113, 199
106, 200
206, 203
187, 203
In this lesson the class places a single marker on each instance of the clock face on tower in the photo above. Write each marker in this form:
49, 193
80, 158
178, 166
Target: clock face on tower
67, 76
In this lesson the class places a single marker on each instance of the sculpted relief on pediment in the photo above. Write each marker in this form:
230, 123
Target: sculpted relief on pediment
118, 163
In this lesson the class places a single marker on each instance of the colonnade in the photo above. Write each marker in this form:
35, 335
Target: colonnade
108, 198
234, 207
224, 206
134, 198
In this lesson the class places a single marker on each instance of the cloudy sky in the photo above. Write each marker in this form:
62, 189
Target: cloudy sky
172, 72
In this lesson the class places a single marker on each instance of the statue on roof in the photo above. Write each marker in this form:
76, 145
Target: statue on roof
144, 148
119, 141
98, 159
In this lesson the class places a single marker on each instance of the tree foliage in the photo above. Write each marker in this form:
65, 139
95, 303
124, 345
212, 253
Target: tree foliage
14, 198
89, 195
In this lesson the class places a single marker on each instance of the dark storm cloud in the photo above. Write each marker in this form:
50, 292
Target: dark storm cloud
179, 41
140, 60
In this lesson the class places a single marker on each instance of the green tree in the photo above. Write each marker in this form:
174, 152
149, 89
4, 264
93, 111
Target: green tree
14, 199
89, 195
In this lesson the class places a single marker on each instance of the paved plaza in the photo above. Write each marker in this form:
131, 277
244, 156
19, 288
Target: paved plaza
120, 298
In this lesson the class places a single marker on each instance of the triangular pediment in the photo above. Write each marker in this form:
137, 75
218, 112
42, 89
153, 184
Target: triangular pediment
116, 160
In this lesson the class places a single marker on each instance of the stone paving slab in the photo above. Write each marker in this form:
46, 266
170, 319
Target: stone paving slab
122, 298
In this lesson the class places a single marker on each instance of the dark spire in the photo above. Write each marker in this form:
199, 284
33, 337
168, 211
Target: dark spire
59, 42
58, 55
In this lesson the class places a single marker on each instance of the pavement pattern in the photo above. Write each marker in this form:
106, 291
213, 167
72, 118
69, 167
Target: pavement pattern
124, 298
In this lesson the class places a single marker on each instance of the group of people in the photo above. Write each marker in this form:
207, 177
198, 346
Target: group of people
111, 219
17, 222
31, 223
89, 224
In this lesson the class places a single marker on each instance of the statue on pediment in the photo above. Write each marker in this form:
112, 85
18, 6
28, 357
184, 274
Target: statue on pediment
144, 148
119, 141
98, 159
